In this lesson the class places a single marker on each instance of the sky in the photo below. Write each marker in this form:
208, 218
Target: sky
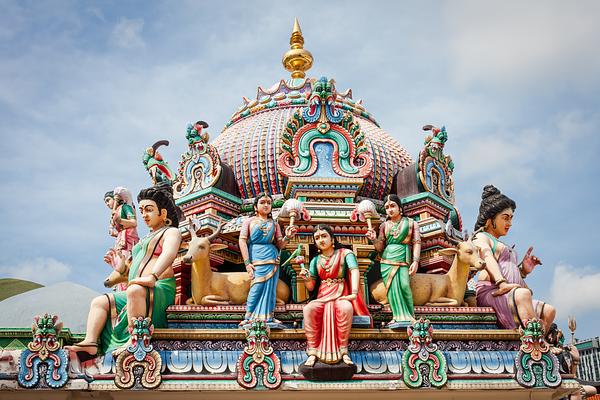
86, 86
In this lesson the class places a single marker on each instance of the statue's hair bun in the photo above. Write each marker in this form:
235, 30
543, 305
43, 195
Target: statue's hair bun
489, 190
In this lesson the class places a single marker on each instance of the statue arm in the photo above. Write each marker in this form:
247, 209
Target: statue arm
416, 248
416, 242
491, 264
125, 216
352, 264
171, 243
243, 241
379, 243
310, 280
280, 240
128, 217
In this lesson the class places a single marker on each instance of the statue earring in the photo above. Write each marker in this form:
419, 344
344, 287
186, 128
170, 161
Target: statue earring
168, 222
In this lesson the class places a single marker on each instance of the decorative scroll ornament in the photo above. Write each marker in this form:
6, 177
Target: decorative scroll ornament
536, 366
44, 360
258, 366
157, 167
435, 169
321, 133
200, 165
138, 362
423, 365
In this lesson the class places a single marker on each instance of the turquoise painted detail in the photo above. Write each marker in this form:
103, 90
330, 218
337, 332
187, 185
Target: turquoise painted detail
46, 350
341, 145
207, 191
536, 366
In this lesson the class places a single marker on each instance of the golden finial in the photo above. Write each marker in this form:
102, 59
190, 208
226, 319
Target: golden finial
297, 60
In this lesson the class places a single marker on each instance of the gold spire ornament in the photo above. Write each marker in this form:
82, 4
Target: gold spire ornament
297, 60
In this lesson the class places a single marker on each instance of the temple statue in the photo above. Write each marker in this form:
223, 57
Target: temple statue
151, 286
260, 241
400, 241
502, 284
328, 318
123, 226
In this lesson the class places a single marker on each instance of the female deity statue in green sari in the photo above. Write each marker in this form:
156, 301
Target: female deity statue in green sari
396, 237
151, 287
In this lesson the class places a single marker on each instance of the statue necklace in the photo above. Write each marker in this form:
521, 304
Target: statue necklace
264, 226
395, 230
324, 261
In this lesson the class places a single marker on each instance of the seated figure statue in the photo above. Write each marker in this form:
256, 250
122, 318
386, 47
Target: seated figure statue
328, 318
151, 286
501, 285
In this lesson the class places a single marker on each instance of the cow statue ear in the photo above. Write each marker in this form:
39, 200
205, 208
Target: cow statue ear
448, 252
217, 246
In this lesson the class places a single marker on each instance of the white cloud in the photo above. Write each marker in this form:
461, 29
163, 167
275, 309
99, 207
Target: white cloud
41, 270
575, 290
514, 44
128, 34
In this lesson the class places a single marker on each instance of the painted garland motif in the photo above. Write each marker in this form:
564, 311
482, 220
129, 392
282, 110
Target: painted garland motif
322, 122
139, 361
434, 168
44, 352
258, 366
423, 365
200, 166
535, 364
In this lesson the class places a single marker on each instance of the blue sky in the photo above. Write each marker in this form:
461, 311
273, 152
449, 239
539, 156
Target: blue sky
86, 86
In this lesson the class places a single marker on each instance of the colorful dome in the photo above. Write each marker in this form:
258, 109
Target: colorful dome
251, 141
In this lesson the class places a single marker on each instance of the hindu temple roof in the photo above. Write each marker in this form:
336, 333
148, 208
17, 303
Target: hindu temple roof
253, 134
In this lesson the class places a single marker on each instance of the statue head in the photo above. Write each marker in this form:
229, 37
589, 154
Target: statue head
162, 197
494, 205
263, 202
328, 240
109, 199
392, 205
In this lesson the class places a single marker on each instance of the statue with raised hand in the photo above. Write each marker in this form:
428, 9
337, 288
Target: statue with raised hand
400, 242
502, 284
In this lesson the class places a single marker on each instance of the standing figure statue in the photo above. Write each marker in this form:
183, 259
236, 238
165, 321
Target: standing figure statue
328, 318
151, 286
123, 226
501, 285
398, 261
260, 241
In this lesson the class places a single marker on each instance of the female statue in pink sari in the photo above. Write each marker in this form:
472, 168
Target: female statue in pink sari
501, 285
328, 318
123, 226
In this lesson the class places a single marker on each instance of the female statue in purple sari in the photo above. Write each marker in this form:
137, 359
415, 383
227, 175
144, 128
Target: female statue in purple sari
501, 285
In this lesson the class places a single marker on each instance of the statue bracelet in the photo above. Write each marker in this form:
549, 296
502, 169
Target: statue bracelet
520, 266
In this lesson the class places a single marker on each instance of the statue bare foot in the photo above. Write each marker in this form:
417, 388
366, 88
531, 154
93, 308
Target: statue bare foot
85, 350
311, 361
244, 323
347, 360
